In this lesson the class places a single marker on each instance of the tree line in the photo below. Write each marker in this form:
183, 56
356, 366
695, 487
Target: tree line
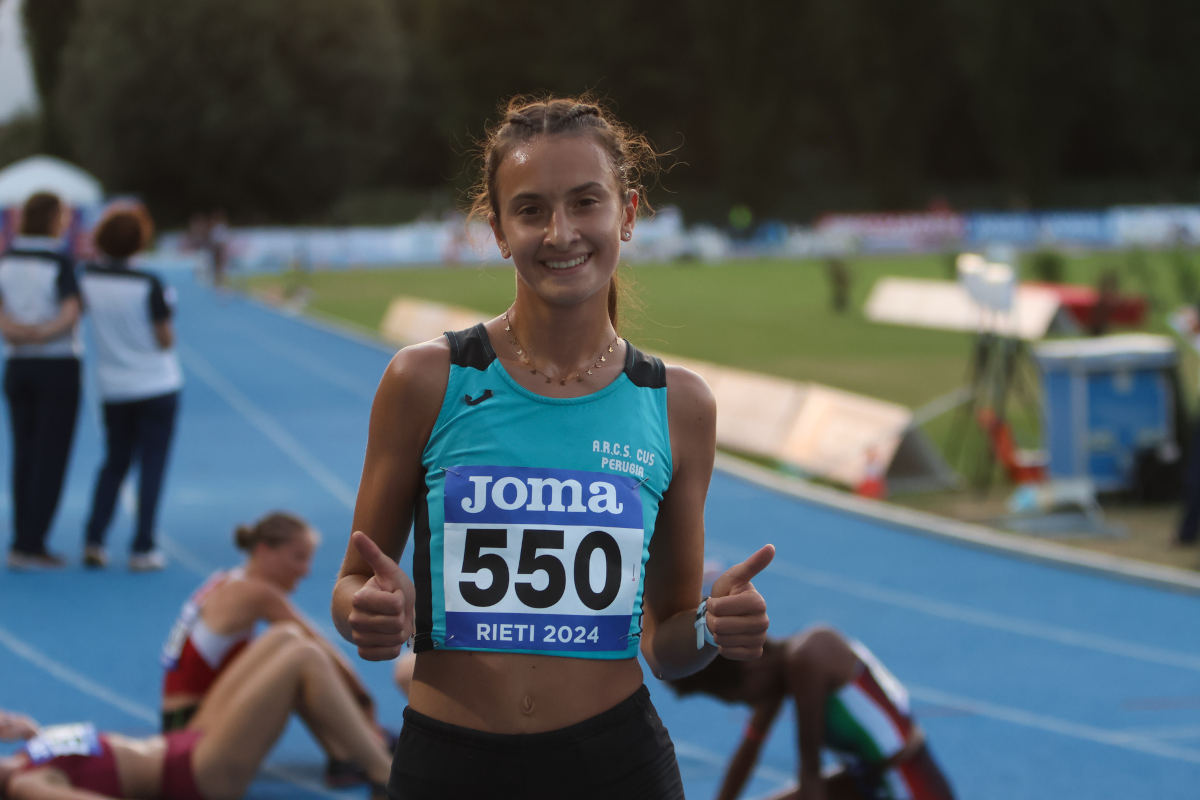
277, 109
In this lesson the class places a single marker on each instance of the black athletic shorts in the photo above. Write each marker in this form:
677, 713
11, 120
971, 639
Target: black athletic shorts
624, 752
179, 718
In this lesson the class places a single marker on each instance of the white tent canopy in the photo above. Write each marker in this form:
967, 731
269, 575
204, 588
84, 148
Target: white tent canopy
46, 173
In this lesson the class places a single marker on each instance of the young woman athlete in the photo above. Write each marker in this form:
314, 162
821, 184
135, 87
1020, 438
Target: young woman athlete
219, 620
847, 704
555, 478
219, 752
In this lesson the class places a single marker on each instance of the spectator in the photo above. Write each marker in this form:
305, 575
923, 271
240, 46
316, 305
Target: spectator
39, 316
138, 377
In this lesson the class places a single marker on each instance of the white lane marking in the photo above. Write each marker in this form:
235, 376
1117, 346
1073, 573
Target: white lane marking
1121, 739
184, 557
927, 524
1166, 732
351, 382
706, 756
984, 619
268, 427
131, 707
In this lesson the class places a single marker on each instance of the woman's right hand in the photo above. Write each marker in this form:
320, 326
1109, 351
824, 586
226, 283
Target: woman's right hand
381, 611
16, 726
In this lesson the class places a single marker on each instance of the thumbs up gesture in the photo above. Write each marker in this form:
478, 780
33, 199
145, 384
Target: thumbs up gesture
381, 615
737, 613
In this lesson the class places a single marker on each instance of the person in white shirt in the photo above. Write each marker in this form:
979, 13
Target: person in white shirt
39, 315
138, 377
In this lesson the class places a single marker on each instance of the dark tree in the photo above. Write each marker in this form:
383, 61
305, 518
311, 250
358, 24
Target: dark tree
47, 25
267, 108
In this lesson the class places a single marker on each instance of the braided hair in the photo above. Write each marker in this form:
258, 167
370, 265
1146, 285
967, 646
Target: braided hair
633, 159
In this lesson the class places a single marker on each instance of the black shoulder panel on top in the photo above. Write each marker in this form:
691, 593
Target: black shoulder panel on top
471, 348
644, 370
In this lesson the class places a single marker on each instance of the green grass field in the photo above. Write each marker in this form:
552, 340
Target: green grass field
774, 316
771, 316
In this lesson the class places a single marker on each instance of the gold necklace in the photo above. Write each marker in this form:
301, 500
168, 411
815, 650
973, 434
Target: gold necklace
524, 357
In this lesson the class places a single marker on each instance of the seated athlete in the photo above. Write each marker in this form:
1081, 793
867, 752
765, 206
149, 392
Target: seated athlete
846, 703
219, 752
218, 621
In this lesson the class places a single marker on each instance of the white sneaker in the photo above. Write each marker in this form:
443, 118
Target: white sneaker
149, 561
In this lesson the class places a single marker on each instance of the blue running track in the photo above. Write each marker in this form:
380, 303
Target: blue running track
1033, 679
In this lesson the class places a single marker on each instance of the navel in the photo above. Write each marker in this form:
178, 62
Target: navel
527, 705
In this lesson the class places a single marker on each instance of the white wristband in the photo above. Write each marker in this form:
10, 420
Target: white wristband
703, 634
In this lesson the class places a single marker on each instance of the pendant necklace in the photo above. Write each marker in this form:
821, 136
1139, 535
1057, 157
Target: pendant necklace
525, 358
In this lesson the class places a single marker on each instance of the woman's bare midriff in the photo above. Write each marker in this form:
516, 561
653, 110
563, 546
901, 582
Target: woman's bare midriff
517, 693
139, 764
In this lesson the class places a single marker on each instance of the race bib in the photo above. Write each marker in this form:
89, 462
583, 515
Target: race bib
173, 647
542, 560
75, 739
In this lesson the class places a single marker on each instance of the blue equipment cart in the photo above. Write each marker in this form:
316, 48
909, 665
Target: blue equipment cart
1104, 400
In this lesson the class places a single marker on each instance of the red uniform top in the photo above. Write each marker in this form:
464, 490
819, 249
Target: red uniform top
194, 655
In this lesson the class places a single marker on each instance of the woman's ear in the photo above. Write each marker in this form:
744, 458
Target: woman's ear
498, 234
629, 214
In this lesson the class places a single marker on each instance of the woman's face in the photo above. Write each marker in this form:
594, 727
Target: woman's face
561, 216
287, 564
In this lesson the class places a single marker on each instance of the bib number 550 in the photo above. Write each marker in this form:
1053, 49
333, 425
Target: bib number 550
541, 551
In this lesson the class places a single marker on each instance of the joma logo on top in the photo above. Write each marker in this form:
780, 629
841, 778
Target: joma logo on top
542, 494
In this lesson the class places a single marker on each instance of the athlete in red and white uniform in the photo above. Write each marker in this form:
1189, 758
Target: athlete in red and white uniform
194, 654
219, 620
218, 755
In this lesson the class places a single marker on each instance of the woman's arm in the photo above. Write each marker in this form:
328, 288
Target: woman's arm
259, 600
43, 784
372, 609
14, 332
68, 315
746, 756
16, 726
164, 334
736, 612
676, 564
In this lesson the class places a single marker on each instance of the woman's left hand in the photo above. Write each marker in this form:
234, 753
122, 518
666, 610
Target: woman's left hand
737, 613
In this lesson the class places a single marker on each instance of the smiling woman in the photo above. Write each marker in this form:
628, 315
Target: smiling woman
542, 562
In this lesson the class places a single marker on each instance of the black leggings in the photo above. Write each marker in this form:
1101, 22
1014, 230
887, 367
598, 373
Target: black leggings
43, 405
624, 753
141, 430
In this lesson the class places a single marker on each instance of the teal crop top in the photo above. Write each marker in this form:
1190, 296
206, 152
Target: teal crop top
534, 528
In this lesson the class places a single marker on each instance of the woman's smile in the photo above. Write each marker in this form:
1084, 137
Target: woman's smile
568, 263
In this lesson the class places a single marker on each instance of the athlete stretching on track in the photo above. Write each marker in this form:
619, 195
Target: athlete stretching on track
219, 752
846, 703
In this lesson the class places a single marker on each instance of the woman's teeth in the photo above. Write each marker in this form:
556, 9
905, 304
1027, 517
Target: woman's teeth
574, 262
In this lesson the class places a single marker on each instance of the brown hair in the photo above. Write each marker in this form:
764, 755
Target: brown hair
41, 214
273, 530
634, 160
124, 230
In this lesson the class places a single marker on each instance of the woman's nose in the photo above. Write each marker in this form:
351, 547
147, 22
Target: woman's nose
560, 232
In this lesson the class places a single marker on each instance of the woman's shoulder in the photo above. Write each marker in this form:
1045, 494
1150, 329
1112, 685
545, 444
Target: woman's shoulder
418, 370
687, 390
